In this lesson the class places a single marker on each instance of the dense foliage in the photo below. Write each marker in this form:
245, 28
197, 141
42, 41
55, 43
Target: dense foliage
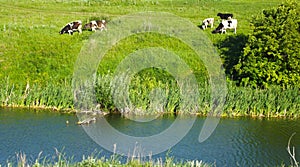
271, 55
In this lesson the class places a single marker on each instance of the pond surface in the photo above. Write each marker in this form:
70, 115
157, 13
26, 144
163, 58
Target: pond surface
235, 142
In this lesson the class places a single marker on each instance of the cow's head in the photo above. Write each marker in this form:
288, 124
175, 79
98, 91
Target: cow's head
76, 24
65, 29
87, 26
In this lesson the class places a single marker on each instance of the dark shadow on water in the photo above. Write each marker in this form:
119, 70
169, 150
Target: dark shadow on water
135, 128
231, 49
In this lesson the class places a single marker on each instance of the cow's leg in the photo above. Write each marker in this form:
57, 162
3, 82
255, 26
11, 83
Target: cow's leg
205, 25
102, 27
223, 31
80, 29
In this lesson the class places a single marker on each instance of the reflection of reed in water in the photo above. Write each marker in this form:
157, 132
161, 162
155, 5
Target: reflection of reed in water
89, 116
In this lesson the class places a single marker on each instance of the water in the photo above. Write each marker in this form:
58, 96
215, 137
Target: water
235, 142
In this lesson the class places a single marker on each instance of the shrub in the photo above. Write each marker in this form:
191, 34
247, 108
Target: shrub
271, 55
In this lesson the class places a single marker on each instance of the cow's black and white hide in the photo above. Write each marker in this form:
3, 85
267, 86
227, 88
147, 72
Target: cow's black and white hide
72, 27
206, 22
225, 16
96, 25
226, 24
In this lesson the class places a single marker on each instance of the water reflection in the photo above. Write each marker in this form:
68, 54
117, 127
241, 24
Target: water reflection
236, 142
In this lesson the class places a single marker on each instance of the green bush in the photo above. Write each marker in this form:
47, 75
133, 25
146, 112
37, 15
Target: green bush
271, 55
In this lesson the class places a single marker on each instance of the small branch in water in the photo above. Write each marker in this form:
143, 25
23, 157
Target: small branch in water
86, 121
292, 152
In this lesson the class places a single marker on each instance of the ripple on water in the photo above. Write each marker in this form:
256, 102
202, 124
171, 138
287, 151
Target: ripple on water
235, 142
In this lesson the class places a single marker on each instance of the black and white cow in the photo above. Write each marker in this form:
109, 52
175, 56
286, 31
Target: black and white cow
225, 16
226, 24
96, 25
206, 22
72, 27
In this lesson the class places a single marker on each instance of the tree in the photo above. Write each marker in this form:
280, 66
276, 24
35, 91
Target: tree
272, 53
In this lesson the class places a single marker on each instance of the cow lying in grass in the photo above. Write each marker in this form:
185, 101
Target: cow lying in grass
96, 25
72, 27
226, 24
225, 16
206, 22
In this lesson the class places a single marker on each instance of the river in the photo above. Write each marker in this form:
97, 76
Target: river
235, 142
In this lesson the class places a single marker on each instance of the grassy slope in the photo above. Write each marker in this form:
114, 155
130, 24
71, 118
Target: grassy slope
32, 51
32, 48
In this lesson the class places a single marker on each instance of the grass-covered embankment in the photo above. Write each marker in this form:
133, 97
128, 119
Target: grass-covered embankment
240, 101
36, 63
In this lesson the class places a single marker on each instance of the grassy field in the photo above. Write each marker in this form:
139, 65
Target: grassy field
32, 50
36, 63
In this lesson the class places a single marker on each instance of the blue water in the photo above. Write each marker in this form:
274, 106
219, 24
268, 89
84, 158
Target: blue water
235, 142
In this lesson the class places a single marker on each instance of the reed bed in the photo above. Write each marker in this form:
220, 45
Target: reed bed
94, 160
60, 160
272, 102
54, 96
240, 101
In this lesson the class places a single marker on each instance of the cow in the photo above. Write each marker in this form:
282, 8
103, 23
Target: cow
72, 27
225, 16
96, 25
226, 24
206, 22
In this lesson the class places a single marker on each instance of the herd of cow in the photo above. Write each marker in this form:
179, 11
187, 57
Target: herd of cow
227, 23
77, 26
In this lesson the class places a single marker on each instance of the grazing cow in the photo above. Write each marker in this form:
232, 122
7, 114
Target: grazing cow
226, 24
96, 25
72, 27
206, 22
225, 16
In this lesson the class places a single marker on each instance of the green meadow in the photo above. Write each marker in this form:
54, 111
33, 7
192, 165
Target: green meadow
37, 63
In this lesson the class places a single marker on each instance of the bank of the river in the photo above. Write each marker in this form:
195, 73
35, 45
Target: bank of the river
37, 64
114, 160
240, 101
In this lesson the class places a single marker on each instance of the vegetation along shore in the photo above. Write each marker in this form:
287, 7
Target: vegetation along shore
261, 60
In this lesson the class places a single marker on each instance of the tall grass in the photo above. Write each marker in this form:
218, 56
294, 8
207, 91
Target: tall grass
271, 102
60, 160
240, 101
54, 96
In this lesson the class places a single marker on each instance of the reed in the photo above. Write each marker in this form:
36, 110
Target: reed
240, 101
60, 160
55, 96
272, 102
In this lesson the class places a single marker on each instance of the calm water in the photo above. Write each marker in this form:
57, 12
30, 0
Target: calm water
235, 142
